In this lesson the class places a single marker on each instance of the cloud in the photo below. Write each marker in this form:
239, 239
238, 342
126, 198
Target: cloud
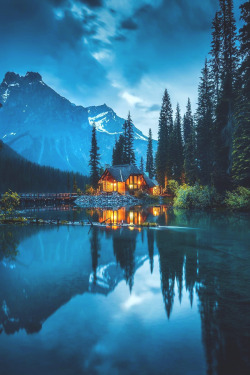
91, 3
131, 99
129, 24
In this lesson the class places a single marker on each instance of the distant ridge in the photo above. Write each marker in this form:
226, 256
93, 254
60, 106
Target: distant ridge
48, 129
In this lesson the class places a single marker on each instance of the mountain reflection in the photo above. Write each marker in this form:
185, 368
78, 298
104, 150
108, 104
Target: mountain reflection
52, 267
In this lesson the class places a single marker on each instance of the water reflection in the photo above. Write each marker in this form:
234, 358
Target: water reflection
210, 264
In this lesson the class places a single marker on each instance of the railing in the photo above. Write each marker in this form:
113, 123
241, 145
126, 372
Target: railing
43, 196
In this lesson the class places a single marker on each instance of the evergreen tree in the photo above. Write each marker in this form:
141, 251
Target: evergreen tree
162, 155
204, 127
150, 158
74, 185
241, 143
178, 158
142, 165
223, 128
190, 145
94, 161
118, 151
130, 141
216, 54
128, 133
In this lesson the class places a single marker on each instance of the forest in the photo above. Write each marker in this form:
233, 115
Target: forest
22, 175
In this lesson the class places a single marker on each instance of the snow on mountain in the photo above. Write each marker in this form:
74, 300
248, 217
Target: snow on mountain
48, 129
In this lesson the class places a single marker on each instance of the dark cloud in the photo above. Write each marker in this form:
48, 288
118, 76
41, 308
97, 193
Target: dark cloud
129, 24
35, 38
154, 108
91, 3
120, 38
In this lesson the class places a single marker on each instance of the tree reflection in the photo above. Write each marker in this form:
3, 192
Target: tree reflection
124, 245
95, 248
8, 244
150, 237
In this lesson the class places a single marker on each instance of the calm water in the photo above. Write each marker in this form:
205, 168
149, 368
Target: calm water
76, 300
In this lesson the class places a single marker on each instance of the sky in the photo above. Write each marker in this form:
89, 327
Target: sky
120, 52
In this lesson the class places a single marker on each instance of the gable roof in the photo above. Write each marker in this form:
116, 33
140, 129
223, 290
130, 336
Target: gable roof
122, 172
151, 183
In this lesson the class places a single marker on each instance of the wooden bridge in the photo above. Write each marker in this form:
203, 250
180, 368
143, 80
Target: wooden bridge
47, 197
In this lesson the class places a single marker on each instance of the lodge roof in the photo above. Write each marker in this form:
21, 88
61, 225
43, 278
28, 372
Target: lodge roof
122, 172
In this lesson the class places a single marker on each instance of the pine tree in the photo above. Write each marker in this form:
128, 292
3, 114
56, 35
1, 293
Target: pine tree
130, 140
189, 146
216, 55
150, 158
94, 161
162, 155
223, 128
118, 151
75, 187
204, 127
142, 165
128, 133
178, 158
241, 143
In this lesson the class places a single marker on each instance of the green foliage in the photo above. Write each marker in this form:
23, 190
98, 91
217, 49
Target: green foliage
238, 199
173, 187
139, 194
9, 202
90, 190
196, 196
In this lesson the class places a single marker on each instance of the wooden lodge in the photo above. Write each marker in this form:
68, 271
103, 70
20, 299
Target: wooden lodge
126, 178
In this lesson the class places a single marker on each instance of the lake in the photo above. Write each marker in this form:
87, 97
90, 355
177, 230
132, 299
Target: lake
102, 300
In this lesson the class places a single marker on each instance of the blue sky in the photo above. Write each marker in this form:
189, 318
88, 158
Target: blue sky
120, 52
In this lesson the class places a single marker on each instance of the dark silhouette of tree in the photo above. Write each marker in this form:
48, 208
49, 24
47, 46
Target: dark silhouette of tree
177, 147
204, 127
124, 250
241, 146
94, 160
189, 145
150, 158
163, 167
150, 237
95, 247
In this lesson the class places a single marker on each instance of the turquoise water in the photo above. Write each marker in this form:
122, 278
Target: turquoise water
81, 300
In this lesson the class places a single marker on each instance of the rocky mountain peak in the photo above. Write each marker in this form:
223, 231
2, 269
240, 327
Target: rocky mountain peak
33, 77
11, 77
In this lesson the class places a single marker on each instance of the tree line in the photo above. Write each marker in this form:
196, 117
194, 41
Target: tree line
21, 175
212, 146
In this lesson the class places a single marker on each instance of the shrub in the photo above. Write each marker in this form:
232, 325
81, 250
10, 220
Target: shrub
139, 194
196, 197
10, 201
90, 190
172, 187
238, 199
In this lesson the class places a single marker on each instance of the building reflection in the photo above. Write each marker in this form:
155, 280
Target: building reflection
133, 215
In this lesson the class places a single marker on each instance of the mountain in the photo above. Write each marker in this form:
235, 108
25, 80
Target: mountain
48, 129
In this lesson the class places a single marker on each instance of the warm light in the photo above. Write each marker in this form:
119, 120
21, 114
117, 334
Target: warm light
139, 182
131, 186
139, 220
131, 217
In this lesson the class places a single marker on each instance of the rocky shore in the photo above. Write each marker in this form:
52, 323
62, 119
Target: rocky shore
107, 200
